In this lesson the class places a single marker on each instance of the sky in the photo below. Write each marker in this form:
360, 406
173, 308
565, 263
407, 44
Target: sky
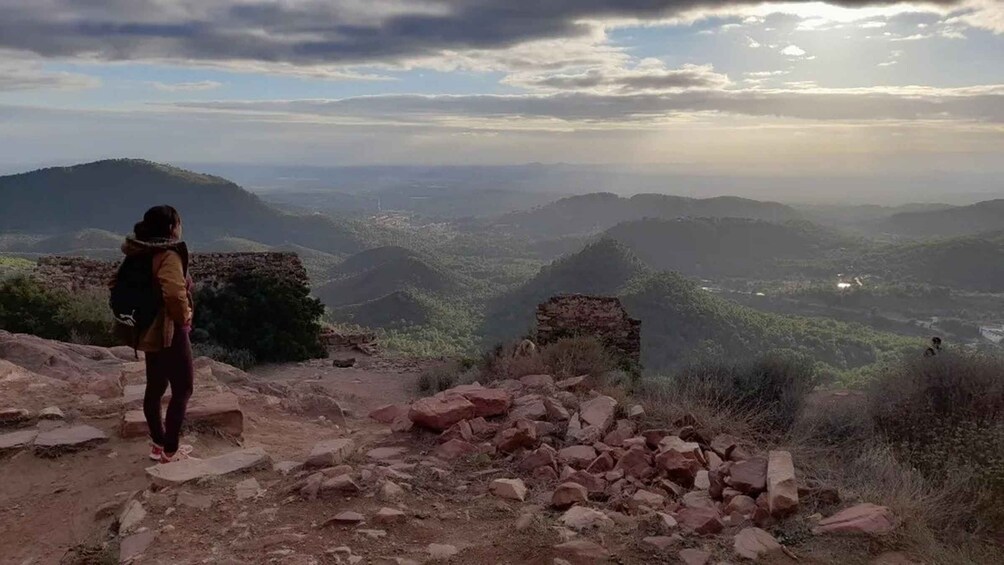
717, 86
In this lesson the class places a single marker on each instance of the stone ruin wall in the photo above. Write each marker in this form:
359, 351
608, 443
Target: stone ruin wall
79, 273
601, 316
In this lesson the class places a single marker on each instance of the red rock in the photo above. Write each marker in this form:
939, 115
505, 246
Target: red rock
582, 551
510, 489
723, 445
402, 424
750, 476
654, 436
522, 435
454, 449
556, 412
598, 412
754, 543
577, 456
601, 464
592, 483
700, 520
441, 413
489, 401
742, 504
567, 494
646, 499
782, 490
636, 441
544, 456
537, 381
545, 474
544, 428
460, 430
529, 407
688, 449
694, 557
636, 463
389, 412
863, 518
481, 427
714, 461
623, 431
679, 468
698, 499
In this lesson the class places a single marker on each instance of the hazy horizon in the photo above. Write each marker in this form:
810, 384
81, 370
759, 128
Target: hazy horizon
726, 87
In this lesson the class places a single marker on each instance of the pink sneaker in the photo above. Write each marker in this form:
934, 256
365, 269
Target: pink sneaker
184, 452
156, 452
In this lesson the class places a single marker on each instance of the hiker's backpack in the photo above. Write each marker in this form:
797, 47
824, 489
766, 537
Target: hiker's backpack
136, 299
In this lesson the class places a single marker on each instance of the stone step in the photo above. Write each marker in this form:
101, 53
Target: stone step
220, 412
63, 440
15, 441
181, 472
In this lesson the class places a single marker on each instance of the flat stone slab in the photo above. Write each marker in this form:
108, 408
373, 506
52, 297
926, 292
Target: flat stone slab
220, 412
73, 438
181, 472
15, 441
330, 452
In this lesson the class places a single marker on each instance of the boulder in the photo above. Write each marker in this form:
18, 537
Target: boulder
62, 440
489, 401
678, 467
582, 518
454, 450
782, 489
577, 456
694, 556
702, 480
544, 456
742, 505
389, 412
700, 520
598, 412
698, 499
537, 381
602, 464
865, 518
390, 516
637, 463
522, 435
341, 484
556, 412
688, 449
723, 445
754, 543
510, 489
528, 407
749, 476
220, 412
568, 494
440, 413
330, 452
646, 499
623, 431
181, 472
593, 484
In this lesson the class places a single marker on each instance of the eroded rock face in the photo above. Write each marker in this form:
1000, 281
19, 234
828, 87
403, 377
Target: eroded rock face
866, 518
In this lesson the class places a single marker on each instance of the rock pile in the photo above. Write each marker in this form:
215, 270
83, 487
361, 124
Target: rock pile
576, 448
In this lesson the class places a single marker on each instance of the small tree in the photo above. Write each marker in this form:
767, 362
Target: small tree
272, 318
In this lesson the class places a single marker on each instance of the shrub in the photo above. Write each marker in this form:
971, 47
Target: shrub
28, 306
440, 377
574, 356
273, 319
945, 415
774, 385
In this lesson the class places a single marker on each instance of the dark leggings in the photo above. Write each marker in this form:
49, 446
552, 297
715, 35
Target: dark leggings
171, 366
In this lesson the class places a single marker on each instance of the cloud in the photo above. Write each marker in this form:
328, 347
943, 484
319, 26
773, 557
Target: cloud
753, 44
19, 74
979, 103
186, 86
349, 32
793, 51
649, 75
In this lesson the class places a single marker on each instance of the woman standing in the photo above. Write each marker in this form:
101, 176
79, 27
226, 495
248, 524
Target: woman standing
157, 253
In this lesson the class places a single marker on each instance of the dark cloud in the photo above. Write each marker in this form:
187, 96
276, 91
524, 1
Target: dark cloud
975, 103
314, 32
650, 76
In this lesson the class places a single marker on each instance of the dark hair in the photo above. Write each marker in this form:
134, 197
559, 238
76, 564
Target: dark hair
158, 223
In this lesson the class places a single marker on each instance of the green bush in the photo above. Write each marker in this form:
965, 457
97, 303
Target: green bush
574, 356
945, 415
28, 306
240, 358
273, 319
775, 385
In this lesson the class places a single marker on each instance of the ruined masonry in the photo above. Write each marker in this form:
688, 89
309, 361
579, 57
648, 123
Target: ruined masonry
602, 316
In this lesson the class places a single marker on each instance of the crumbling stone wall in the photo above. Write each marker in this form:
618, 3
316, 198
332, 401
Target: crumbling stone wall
77, 273
601, 316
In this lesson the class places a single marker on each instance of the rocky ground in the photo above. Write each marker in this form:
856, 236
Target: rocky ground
311, 463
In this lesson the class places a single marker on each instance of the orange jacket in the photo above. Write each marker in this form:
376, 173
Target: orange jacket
170, 266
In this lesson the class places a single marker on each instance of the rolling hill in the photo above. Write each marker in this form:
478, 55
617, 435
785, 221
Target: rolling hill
593, 213
983, 216
681, 321
372, 258
721, 247
974, 263
408, 273
112, 195
397, 309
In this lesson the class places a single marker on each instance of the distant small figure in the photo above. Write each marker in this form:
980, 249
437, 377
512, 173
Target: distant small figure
936, 343
525, 348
